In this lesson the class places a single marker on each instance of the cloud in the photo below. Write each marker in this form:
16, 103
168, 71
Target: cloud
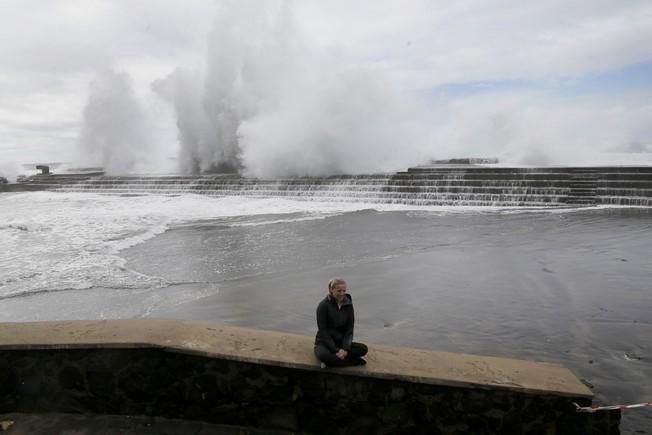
39, 122
426, 43
73, 35
51, 50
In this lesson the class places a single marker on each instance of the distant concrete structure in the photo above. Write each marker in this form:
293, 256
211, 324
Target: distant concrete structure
45, 169
466, 161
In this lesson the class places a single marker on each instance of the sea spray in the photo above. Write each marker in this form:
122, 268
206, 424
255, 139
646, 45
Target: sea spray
9, 170
268, 104
115, 129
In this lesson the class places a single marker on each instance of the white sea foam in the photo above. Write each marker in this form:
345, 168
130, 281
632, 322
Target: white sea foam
59, 241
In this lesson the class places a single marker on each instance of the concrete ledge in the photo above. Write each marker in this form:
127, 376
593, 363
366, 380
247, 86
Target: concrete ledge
270, 380
295, 351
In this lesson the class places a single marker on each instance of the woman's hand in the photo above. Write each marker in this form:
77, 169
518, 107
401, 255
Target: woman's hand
341, 354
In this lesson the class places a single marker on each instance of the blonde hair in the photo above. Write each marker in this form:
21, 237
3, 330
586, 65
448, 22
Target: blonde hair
334, 282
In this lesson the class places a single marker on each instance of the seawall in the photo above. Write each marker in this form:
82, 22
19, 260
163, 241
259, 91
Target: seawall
435, 185
265, 379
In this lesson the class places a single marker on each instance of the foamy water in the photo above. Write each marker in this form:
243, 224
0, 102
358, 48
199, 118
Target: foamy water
51, 242
62, 241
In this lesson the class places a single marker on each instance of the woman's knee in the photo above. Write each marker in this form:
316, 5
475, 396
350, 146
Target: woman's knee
359, 349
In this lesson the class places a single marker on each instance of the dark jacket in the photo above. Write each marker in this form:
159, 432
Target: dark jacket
335, 325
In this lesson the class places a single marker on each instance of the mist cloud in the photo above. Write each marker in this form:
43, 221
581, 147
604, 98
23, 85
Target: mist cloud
9, 170
347, 122
533, 128
115, 133
268, 104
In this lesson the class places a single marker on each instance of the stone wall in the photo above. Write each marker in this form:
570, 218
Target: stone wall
155, 381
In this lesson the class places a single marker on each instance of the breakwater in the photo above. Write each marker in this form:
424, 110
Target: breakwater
271, 380
437, 185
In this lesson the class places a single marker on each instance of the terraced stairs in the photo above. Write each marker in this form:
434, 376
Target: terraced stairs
423, 186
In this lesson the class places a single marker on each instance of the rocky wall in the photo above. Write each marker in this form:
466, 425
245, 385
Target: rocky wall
157, 382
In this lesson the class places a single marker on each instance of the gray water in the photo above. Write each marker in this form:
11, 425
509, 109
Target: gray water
570, 287
565, 287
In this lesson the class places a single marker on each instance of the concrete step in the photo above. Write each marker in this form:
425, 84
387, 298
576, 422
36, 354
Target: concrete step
579, 200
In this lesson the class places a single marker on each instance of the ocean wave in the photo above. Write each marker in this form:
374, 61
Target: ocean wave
56, 241
16, 227
282, 221
72, 241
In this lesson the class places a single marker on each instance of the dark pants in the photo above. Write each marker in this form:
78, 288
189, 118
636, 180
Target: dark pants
329, 358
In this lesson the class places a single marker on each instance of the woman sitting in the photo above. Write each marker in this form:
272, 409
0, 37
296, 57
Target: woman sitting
334, 344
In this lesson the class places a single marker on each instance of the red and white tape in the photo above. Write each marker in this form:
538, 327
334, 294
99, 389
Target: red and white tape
579, 408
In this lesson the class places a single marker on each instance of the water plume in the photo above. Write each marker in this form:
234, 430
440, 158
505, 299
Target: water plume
268, 104
115, 129
534, 129
9, 170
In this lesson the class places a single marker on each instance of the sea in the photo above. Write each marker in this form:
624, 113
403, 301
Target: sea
571, 286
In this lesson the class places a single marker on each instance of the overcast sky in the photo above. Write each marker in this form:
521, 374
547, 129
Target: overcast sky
496, 74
